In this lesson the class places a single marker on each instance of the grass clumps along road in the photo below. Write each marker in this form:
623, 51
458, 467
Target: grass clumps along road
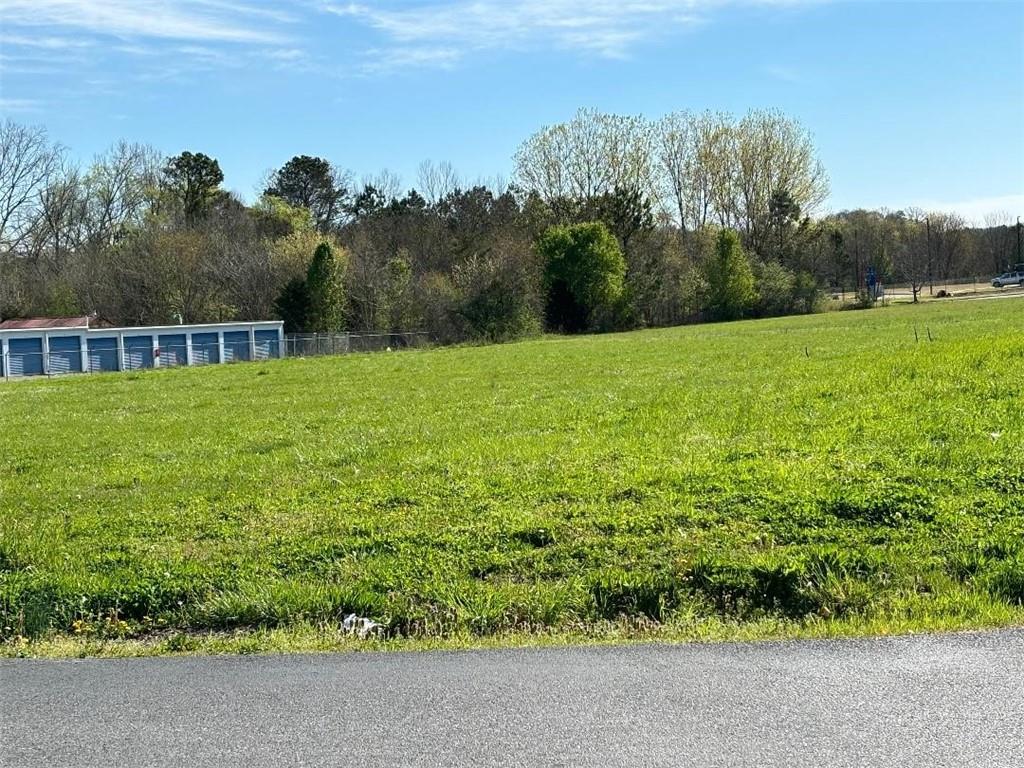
813, 475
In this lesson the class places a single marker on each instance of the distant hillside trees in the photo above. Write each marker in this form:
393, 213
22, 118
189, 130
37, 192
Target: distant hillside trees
611, 222
700, 169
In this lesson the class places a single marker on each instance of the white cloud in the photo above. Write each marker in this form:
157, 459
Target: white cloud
439, 32
607, 28
168, 39
43, 42
176, 38
390, 59
15, 106
209, 20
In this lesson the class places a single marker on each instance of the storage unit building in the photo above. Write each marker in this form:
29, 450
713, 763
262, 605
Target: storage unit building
205, 348
138, 352
49, 346
268, 345
173, 349
65, 354
25, 357
103, 354
237, 346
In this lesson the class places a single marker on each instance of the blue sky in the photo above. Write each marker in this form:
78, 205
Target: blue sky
910, 103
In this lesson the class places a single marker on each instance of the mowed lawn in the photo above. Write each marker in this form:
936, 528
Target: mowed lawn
816, 474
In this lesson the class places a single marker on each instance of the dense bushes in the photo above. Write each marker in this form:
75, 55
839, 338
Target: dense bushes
584, 273
730, 280
497, 296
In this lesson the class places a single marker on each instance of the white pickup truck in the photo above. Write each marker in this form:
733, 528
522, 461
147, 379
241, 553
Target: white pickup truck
1008, 278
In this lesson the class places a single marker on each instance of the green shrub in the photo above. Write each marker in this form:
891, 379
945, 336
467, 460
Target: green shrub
731, 290
584, 274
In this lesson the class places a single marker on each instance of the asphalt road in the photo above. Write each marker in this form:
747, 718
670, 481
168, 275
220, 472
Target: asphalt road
953, 700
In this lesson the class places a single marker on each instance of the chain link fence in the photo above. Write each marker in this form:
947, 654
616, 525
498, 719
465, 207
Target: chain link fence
902, 291
319, 344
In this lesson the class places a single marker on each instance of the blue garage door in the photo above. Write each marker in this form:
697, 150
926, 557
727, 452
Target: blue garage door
25, 357
236, 346
138, 352
103, 354
65, 354
172, 349
267, 345
205, 348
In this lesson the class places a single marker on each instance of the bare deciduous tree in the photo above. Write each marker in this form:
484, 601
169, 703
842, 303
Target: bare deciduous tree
774, 154
695, 159
949, 244
119, 187
999, 240
588, 156
911, 251
60, 220
387, 183
28, 162
436, 182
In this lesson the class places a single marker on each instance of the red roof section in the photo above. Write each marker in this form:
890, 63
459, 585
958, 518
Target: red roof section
44, 322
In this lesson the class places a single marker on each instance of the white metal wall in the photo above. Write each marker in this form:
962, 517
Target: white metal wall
129, 354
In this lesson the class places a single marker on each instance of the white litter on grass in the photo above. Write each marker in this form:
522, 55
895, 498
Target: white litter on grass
360, 626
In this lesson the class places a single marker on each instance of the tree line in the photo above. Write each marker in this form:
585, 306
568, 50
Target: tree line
610, 222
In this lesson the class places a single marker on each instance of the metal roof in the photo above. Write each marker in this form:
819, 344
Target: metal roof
44, 322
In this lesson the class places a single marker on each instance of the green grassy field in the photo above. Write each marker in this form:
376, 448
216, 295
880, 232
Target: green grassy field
815, 475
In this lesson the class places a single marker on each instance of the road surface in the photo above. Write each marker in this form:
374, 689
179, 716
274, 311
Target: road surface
951, 700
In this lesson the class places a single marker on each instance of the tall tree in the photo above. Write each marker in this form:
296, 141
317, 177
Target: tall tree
436, 182
626, 211
194, 179
694, 157
731, 292
118, 188
912, 255
292, 305
312, 183
586, 157
28, 163
783, 218
774, 154
999, 242
326, 291
949, 243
